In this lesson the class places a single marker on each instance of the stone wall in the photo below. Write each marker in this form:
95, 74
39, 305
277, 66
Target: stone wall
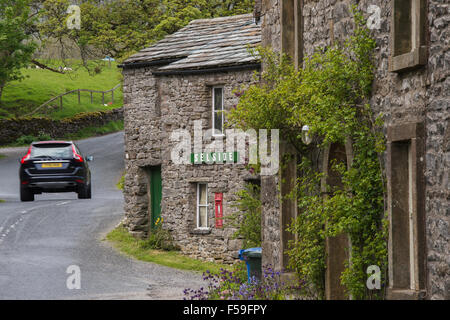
154, 108
11, 129
419, 95
437, 120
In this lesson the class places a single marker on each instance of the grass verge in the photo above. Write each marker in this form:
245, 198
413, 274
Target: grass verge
2, 156
1, 201
126, 243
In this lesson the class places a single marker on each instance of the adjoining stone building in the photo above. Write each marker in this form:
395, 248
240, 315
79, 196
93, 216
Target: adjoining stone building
187, 77
412, 91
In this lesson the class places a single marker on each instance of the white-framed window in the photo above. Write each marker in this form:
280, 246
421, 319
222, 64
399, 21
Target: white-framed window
202, 206
217, 111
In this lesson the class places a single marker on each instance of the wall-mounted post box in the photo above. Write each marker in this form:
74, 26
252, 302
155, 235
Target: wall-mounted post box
218, 200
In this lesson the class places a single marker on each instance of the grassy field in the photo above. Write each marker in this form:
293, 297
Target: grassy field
127, 244
21, 97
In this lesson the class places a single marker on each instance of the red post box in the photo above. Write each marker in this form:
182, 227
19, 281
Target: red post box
218, 200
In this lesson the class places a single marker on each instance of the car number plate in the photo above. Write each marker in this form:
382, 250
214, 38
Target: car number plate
52, 165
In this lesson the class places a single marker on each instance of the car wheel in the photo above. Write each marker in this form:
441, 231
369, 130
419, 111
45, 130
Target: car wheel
89, 192
26, 194
85, 192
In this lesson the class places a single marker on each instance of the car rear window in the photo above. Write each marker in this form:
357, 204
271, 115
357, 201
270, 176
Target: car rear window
52, 150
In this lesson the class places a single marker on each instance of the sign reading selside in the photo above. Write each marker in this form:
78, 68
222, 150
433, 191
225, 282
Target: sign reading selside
214, 157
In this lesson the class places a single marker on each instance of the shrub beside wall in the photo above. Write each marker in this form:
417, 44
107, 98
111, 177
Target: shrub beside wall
11, 129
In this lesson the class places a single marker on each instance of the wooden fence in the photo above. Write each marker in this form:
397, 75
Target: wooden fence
78, 91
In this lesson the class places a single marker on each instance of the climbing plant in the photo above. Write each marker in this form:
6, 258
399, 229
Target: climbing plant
330, 94
247, 219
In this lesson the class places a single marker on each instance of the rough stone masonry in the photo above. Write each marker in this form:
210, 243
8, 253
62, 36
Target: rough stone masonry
163, 93
416, 94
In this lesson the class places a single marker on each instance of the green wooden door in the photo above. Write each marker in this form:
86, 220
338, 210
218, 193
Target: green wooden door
155, 194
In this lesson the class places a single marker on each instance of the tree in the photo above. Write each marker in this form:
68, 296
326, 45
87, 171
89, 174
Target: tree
115, 28
16, 47
122, 27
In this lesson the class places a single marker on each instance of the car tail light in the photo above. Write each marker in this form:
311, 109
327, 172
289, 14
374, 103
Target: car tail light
76, 156
27, 157
25, 182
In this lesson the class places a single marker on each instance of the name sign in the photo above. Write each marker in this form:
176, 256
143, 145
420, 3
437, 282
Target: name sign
214, 157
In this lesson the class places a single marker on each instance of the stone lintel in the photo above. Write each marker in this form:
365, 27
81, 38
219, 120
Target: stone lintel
405, 131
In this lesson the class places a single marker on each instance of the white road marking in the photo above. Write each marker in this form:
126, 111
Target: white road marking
62, 203
21, 218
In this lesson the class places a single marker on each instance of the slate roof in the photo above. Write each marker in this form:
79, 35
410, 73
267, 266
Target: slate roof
205, 43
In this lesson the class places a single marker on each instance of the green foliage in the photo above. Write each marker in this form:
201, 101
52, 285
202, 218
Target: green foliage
121, 182
86, 132
270, 104
27, 139
330, 94
159, 238
91, 131
40, 85
121, 27
307, 254
16, 48
247, 220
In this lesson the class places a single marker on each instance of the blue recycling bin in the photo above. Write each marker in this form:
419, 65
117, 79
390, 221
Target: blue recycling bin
252, 258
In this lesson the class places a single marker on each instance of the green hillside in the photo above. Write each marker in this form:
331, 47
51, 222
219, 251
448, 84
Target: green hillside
22, 97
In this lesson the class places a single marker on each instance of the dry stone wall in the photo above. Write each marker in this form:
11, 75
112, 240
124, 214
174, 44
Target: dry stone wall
11, 129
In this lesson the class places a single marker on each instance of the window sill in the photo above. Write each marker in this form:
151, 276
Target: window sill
204, 231
408, 294
408, 61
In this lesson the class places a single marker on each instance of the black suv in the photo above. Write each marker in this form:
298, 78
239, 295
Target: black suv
54, 166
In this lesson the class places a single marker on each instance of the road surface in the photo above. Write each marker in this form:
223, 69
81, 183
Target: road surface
39, 240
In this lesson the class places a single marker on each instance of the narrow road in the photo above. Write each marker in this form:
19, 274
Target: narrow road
39, 240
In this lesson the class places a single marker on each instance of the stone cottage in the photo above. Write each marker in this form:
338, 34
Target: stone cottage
185, 82
412, 91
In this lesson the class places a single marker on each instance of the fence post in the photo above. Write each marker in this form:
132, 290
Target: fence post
112, 96
60, 102
79, 98
92, 101
103, 97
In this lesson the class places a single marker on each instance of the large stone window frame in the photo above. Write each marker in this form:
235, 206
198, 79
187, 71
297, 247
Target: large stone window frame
407, 54
292, 30
337, 249
406, 188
